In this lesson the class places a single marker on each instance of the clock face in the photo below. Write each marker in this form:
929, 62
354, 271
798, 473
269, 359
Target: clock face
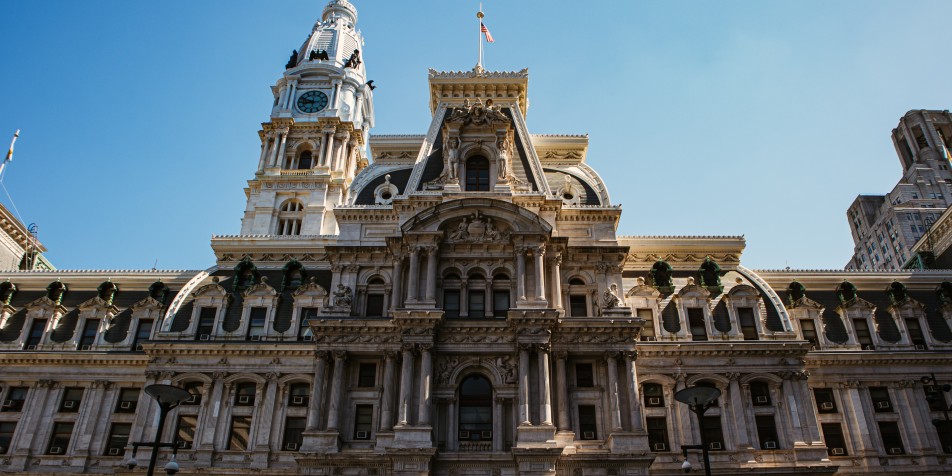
312, 101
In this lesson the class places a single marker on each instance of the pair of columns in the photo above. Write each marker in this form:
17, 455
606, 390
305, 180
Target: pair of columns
545, 387
413, 280
316, 406
406, 384
614, 391
538, 254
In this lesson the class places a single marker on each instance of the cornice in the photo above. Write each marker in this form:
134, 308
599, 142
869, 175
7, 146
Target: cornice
822, 359
72, 359
723, 349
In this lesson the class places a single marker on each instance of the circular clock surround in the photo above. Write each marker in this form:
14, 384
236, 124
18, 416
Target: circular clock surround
312, 101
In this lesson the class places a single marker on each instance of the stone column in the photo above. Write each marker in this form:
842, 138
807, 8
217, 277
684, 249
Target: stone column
397, 300
413, 280
87, 419
855, 419
907, 415
490, 299
497, 423
426, 371
539, 253
264, 152
329, 150
739, 422
524, 384
556, 280
284, 142
685, 424
562, 395
264, 414
431, 273
319, 160
340, 149
804, 397
464, 298
386, 404
520, 273
545, 385
634, 398
387, 299
452, 439
40, 396
611, 358
316, 404
206, 438
406, 380
337, 390
273, 153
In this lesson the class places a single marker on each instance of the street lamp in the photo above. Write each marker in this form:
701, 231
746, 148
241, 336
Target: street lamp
698, 399
935, 397
168, 398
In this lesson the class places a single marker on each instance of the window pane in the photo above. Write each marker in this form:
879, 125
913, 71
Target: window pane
143, 333
206, 322
36, 334
696, 322
759, 394
862, 333
833, 436
713, 433
363, 422
577, 305
72, 397
128, 397
59, 440
808, 328
375, 305
647, 332
657, 433
767, 432
14, 400
881, 401
584, 376
451, 303
118, 438
367, 376
653, 395
88, 338
500, 303
240, 428
7, 429
256, 320
892, 441
825, 402
586, 422
477, 304
185, 430
748, 326
293, 433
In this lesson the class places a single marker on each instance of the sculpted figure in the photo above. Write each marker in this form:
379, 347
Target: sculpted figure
491, 233
462, 230
343, 296
610, 298
452, 159
503, 163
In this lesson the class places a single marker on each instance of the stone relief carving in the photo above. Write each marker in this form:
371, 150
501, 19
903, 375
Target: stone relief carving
610, 298
446, 366
478, 229
477, 114
344, 296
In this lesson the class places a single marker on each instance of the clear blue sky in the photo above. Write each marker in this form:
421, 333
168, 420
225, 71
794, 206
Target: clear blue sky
762, 118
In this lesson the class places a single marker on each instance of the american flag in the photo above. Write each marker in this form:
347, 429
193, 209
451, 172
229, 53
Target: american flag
489, 36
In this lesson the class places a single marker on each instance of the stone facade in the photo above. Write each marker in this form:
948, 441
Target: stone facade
456, 303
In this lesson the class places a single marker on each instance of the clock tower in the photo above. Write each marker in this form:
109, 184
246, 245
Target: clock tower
314, 142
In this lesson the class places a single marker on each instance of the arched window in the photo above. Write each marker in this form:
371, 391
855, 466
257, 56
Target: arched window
304, 160
245, 394
290, 217
501, 295
475, 409
477, 174
451, 296
476, 296
578, 298
375, 292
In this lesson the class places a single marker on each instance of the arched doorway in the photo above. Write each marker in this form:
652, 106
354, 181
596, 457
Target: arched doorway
475, 411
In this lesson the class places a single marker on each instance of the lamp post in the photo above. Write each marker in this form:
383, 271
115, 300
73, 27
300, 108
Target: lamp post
936, 397
168, 397
698, 399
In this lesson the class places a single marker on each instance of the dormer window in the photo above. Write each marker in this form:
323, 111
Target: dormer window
477, 174
290, 218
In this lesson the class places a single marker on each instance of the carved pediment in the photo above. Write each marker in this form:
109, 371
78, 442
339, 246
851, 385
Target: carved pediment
807, 303
46, 304
147, 303
212, 289
310, 289
693, 290
476, 228
99, 304
260, 289
643, 290
859, 303
477, 114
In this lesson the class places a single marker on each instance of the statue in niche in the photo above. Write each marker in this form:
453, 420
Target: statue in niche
502, 165
451, 164
610, 299
292, 62
344, 296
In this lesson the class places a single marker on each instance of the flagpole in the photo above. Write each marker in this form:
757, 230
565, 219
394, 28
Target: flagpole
9, 152
479, 33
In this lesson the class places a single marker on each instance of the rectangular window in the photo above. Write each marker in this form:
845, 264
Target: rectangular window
206, 323
747, 322
185, 430
305, 332
367, 375
238, 435
375, 305
915, 334
363, 422
653, 395
767, 432
59, 440
88, 337
293, 433
647, 331
477, 304
256, 319
500, 303
945, 435
833, 436
825, 401
72, 397
6, 435
118, 439
584, 376
577, 305
892, 440
14, 400
451, 303
881, 401
657, 433
760, 394
128, 397
696, 322
713, 433
36, 334
143, 333
863, 335
587, 425
808, 329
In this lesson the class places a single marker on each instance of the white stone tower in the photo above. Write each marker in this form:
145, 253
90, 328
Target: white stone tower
314, 143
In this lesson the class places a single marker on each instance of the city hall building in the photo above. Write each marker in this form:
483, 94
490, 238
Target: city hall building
458, 303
